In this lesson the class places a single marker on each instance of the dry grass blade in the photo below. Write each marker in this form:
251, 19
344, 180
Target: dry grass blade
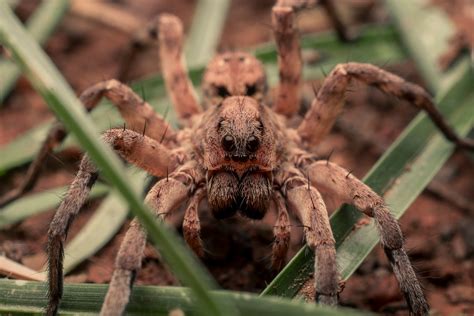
12, 269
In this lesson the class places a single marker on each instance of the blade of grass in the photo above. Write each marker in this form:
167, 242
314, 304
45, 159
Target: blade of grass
50, 84
40, 25
81, 299
38, 203
400, 174
205, 32
376, 45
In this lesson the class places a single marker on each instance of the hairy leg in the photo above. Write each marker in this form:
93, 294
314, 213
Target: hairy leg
328, 5
330, 99
138, 115
58, 229
127, 264
348, 189
178, 84
281, 230
307, 203
163, 198
289, 60
191, 223
135, 148
168, 30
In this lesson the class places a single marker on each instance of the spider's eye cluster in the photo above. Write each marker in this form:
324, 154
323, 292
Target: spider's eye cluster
252, 144
228, 143
222, 91
251, 90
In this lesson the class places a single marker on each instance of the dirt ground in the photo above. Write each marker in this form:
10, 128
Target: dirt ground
438, 226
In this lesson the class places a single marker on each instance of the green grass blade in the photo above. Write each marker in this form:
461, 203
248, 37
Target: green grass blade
49, 83
40, 25
400, 174
86, 299
205, 32
38, 203
376, 44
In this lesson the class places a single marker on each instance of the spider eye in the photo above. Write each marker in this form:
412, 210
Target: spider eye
252, 144
260, 126
222, 91
228, 143
251, 90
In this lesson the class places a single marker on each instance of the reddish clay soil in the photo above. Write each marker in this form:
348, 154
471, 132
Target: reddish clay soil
438, 227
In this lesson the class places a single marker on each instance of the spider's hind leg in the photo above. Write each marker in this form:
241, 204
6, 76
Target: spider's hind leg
287, 100
290, 64
330, 100
338, 182
342, 30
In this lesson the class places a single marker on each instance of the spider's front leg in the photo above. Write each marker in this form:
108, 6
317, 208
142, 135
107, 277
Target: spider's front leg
133, 147
164, 197
138, 115
281, 231
192, 224
330, 100
307, 203
337, 182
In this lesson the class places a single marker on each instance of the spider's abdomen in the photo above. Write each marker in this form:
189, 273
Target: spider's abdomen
250, 195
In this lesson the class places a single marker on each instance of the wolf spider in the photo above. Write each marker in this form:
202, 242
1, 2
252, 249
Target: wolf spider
241, 155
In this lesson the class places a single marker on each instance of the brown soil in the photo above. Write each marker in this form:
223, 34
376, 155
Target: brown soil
438, 232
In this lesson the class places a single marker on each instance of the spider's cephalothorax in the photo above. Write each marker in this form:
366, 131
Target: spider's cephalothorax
233, 74
237, 142
240, 155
